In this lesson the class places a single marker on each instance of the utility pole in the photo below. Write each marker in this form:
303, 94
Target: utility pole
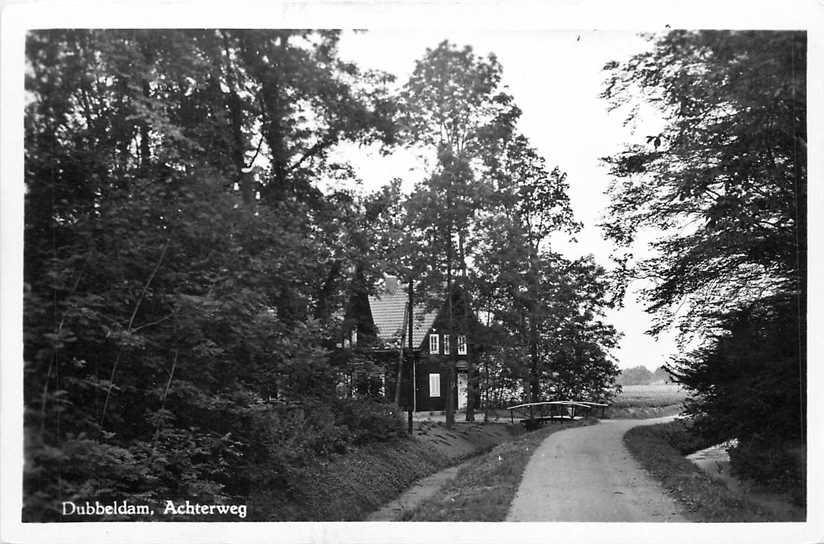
414, 401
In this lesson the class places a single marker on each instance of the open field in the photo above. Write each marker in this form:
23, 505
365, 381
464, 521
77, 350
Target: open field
650, 395
643, 401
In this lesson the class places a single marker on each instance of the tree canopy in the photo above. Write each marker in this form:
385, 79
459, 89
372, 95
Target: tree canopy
725, 181
165, 305
187, 273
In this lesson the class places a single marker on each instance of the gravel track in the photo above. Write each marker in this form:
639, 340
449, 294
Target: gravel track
587, 474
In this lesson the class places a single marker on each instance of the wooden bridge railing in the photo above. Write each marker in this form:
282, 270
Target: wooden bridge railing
553, 406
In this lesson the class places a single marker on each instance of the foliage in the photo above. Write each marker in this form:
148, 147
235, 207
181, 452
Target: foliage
747, 378
661, 375
452, 102
479, 225
656, 447
187, 275
370, 421
726, 177
639, 375
551, 322
726, 181
484, 488
778, 466
176, 331
679, 434
549, 308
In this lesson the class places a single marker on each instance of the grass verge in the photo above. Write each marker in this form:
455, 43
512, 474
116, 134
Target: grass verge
484, 488
350, 486
705, 499
643, 412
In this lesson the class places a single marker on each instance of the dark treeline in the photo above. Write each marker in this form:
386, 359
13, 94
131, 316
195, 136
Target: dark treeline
185, 273
726, 181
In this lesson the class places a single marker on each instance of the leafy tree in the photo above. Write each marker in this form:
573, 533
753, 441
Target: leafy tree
548, 305
578, 349
306, 100
726, 177
726, 183
451, 102
639, 375
176, 332
661, 375
529, 205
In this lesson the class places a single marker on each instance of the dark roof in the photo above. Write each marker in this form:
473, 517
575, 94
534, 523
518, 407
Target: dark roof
388, 313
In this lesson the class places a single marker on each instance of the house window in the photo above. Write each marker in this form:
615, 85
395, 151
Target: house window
461, 345
446, 344
434, 348
434, 385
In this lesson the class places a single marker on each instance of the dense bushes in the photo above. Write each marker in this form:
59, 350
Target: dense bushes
749, 385
680, 435
286, 437
725, 185
342, 487
369, 421
777, 465
178, 330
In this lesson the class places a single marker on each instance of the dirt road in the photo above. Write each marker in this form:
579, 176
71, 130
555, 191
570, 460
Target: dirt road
586, 474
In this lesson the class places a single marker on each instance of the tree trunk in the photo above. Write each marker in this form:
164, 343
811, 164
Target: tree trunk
236, 119
145, 148
272, 110
239, 149
534, 356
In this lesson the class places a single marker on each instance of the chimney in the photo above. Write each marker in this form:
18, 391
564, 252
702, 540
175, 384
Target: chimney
392, 284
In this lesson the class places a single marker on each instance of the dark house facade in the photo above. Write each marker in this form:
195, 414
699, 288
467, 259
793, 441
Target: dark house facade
379, 326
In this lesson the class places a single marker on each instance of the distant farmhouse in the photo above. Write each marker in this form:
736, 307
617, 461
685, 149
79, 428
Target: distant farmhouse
378, 326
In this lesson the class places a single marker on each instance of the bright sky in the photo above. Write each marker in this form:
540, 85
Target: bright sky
556, 78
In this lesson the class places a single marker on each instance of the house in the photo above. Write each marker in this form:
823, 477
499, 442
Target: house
383, 325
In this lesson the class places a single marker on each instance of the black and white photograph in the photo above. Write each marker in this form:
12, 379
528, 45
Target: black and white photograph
368, 276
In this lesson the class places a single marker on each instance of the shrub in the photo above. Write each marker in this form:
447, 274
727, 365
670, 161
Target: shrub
776, 466
704, 499
369, 420
681, 435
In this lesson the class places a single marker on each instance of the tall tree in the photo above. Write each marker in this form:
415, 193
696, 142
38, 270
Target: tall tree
726, 183
172, 326
528, 205
450, 102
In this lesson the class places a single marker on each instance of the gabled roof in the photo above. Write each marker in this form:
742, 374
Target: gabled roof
389, 315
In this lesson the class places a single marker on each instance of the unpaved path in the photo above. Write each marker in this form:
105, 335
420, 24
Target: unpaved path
412, 497
586, 474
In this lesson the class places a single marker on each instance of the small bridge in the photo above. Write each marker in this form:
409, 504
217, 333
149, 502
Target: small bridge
535, 414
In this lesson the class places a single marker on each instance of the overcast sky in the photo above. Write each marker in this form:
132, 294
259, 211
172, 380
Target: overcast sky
556, 78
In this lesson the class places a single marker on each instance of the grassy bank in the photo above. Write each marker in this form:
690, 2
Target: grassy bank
656, 447
484, 488
350, 486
